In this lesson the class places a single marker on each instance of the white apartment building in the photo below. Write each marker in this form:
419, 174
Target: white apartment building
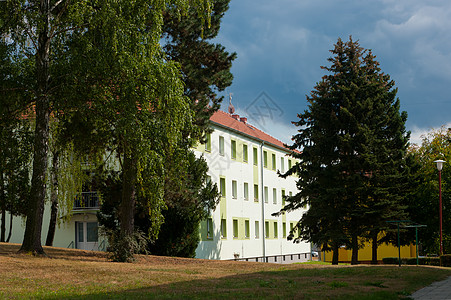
244, 161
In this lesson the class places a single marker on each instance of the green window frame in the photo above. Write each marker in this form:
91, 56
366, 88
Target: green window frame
267, 229
235, 228
255, 192
246, 191
273, 158
221, 145
282, 165
209, 228
276, 230
223, 228
233, 149
234, 189
208, 143
274, 196
284, 229
222, 186
265, 159
255, 156
245, 156
266, 194
257, 229
246, 229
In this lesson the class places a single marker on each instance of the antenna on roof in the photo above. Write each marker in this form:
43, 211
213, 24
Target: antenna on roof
231, 108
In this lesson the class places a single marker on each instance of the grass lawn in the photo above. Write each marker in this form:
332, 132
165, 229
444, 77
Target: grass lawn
76, 274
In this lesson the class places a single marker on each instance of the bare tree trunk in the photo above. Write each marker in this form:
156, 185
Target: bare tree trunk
355, 250
32, 238
374, 248
10, 227
335, 254
127, 208
54, 199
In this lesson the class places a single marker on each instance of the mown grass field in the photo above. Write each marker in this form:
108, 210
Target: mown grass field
75, 274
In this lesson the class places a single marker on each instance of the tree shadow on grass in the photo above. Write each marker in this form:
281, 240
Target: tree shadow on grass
283, 283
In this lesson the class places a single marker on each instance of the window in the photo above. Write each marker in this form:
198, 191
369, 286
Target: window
246, 191
265, 159
223, 228
92, 232
233, 149
273, 158
222, 187
257, 230
266, 194
284, 229
283, 197
235, 229
246, 229
289, 164
208, 142
282, 165
221, 145
245, 153
276, 233
274, 195
209, 228
266, 229
256, 192
234, 189
255, 156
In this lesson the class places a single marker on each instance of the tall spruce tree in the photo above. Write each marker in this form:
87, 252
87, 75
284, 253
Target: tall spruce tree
352, 144
205, 66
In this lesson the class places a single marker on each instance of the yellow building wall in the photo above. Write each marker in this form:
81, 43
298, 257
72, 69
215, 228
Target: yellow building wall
344, 255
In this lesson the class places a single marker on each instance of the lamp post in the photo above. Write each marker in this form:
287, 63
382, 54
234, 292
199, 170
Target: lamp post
439, 168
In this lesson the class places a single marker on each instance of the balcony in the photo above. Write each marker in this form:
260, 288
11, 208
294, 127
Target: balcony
87, 201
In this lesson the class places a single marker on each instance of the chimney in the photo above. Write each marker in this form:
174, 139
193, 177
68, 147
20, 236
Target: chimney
236, 117
243, 119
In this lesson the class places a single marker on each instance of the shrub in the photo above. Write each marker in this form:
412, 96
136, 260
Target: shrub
390, 260
123, 247
445, 260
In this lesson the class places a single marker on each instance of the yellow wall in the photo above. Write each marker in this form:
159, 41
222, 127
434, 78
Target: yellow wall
383, 251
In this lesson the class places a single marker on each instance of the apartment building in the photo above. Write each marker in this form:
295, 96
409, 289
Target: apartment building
244, 162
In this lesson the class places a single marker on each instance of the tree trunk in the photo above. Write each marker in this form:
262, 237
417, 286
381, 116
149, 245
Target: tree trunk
374, 248
355, 250
2, 208
3, 229
54, 199
10, 227
32, 238
335, 254
127, 208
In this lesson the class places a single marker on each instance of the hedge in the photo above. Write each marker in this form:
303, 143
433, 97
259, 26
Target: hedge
426, 261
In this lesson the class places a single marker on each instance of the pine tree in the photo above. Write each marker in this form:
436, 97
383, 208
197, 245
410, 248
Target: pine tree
353, 141
205, 66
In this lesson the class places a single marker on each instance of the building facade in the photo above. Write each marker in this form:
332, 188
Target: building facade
243, 161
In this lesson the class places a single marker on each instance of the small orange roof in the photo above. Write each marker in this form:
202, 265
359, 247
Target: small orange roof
234, 123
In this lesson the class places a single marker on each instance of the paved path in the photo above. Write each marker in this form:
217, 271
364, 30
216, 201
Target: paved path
440, 290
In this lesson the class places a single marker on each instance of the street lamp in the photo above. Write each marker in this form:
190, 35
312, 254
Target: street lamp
439, 168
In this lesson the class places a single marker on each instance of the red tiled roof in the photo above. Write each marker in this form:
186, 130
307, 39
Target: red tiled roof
226, 120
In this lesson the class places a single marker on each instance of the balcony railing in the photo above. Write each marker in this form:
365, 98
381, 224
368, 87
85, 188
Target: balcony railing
87, 200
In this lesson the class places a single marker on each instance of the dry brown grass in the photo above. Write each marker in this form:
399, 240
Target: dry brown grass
85, 274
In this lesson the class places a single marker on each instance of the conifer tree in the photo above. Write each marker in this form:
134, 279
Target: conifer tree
352, 142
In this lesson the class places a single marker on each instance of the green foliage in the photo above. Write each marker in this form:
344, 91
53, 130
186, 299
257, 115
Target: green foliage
352, 143
424, 201
122, 247
190, 197
205, 66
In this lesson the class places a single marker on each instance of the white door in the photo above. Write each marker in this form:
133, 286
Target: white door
87, 235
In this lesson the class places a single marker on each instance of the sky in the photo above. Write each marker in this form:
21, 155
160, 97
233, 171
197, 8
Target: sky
281, 45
